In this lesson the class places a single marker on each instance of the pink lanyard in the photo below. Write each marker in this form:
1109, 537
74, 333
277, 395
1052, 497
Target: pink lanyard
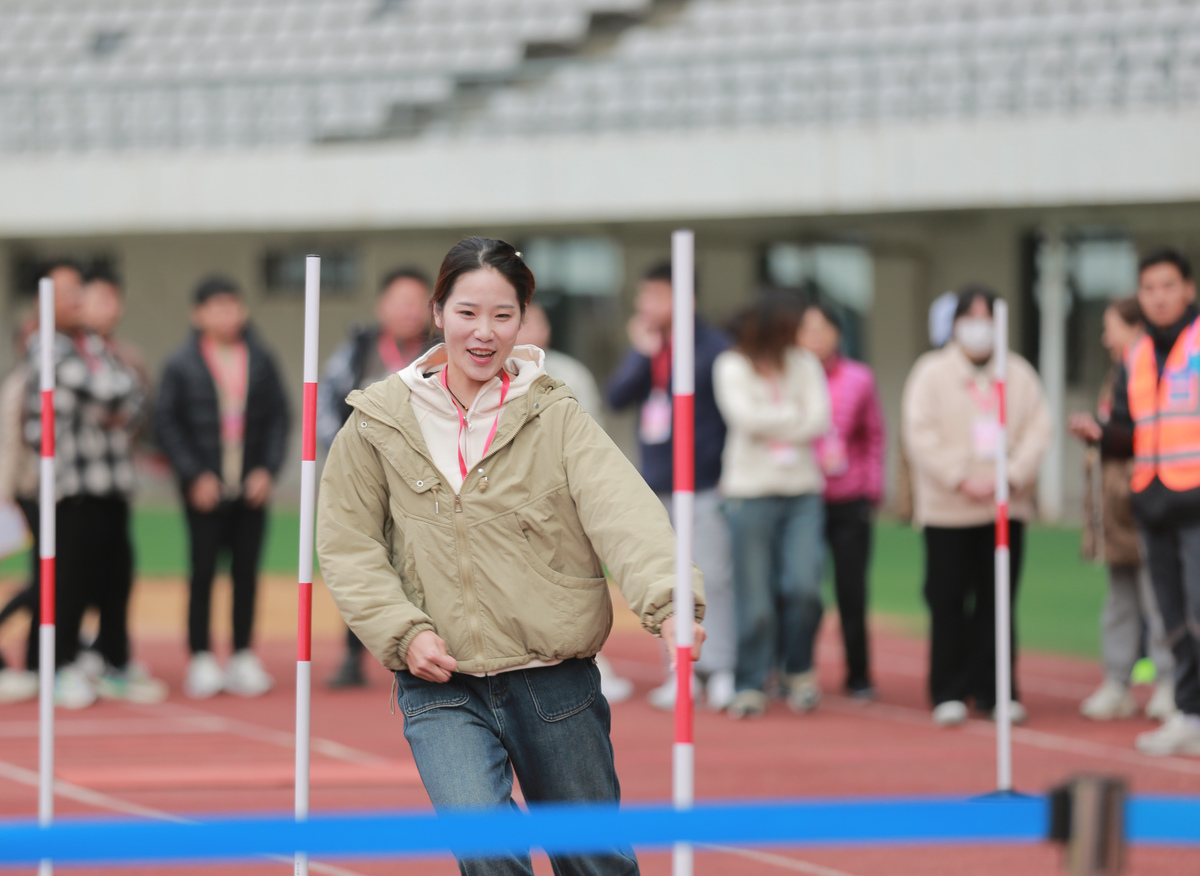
396, 358
984, 401
462, 421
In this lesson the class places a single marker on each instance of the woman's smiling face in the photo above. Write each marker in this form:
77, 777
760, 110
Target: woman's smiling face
480, 319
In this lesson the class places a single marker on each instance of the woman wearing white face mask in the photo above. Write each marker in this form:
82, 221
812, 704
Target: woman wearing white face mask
950, 426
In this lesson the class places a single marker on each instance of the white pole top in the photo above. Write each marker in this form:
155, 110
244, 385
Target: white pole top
683, 314
46, 331
312, 302
1000, 355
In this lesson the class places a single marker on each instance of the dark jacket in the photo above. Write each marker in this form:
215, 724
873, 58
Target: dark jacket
187, 419
343, 373
631, 385
1156, 505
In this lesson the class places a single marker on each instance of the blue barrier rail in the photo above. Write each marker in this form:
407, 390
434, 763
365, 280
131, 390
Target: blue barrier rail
576, 828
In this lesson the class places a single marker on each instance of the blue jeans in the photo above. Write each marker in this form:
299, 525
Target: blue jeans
548, 725
778, 550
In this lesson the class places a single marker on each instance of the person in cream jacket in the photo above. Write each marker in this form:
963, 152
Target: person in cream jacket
950, 426
775, 402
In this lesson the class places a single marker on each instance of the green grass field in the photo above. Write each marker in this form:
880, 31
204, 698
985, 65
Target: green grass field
1058, 610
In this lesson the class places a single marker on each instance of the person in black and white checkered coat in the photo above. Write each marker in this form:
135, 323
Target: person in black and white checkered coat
99, 402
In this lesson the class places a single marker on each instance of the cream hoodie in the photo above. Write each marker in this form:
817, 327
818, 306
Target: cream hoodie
941, 410
438, 416
772, 425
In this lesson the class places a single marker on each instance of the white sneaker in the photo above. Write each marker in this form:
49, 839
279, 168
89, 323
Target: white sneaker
663, 696
720, 690
133, 684
17, 686
614, 688
803, 695
204, 676
1110, 700
1179, 734
246, 676
950, 713
1162, 702
91, 663
72, 689
1016, 713
748, 704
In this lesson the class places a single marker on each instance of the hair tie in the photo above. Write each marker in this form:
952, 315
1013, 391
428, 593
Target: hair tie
517, 253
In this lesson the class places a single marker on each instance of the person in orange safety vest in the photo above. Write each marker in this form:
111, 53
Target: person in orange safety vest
1156, 420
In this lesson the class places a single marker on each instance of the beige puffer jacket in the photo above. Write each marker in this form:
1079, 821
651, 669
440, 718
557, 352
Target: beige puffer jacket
512, 569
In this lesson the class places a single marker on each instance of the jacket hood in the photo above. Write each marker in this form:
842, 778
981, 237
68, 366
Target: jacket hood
423, 378
390, 400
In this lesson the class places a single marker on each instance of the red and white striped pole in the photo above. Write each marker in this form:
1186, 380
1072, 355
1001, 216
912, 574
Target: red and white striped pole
47, 499
1003, 597
683, 385
308, 506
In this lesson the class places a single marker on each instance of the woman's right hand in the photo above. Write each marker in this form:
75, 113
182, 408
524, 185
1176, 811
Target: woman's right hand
1085, 428
428, 658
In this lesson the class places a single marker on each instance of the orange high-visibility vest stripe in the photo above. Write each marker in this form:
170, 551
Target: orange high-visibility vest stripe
1166, 412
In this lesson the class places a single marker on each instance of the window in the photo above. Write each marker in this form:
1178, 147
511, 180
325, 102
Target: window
841, 275
283, 270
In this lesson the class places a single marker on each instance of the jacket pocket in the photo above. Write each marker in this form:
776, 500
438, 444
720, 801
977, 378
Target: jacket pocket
417, 696
542, 568
558, 692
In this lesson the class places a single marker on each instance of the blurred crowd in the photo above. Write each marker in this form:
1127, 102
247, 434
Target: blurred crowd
790, 454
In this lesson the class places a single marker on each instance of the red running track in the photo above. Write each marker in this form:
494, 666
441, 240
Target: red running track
225, 754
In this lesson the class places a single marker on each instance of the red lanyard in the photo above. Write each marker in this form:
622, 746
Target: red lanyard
229, 375
394, 357
985, 401
85, 352
462, 421
231, 378
660, 369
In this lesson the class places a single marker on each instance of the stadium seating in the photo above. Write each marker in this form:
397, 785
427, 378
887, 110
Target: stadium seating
116, 74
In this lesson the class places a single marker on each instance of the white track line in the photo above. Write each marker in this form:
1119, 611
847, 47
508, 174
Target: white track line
1033, 738
88, 797
914, 667
781, 861
237, 727
99, 800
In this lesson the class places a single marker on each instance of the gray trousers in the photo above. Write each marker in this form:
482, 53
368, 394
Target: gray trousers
1173, 555
711, 546
1129, 609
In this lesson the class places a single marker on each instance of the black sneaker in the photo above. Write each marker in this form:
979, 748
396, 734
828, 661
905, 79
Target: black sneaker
349, 675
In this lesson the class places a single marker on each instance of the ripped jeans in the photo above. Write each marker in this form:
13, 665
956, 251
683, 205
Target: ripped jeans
549, 726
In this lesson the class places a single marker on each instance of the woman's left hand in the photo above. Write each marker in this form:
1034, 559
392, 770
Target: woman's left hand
668, 636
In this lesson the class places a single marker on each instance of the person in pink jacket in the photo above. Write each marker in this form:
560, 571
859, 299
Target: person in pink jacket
851, 458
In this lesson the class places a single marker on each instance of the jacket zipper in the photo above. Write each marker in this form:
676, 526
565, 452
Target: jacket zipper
460, 530
468, 580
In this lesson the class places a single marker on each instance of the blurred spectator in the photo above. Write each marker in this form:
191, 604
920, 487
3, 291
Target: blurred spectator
950, 430
103, 310
222, 421
1110, 536
851, 458
19, 486
774, 399
1156, 420
644, 379
535, 330
98, 402
941, 327
399, 335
